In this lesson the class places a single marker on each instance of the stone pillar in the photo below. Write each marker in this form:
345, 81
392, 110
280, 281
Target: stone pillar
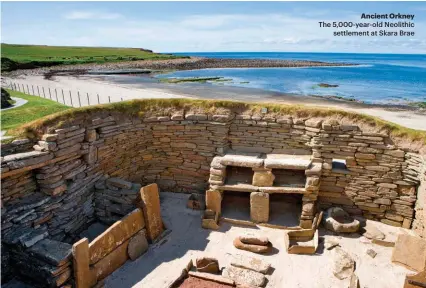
308, 201
308, 213
152, 211
259, 207
217, 172
214, 201
263, 177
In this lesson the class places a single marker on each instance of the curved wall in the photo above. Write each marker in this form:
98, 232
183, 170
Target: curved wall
52, 185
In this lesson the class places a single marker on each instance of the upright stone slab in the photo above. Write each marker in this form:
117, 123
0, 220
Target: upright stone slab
152, 211
263, 177
82, 274
214, 200
259, 207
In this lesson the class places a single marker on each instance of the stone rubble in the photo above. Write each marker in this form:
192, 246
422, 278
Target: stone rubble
343, 264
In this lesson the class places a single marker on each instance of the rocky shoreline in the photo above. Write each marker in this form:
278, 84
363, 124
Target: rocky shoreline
192, 63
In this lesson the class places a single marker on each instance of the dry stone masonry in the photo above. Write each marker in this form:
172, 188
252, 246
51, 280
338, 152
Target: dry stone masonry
54, 186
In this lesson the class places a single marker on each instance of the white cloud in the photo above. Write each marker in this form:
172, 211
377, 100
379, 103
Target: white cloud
91, 15
219, 32
243, 32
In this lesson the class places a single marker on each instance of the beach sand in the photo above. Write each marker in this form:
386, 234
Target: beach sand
110, 90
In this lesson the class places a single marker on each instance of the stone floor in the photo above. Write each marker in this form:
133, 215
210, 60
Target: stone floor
165, 260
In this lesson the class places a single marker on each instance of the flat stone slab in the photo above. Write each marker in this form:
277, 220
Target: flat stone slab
410, 252
119, 183
54, 252
252, 160
244, 276
238, 188
212, 277
284, 161
290, 190
250, 263
137, 245
343, 265
22, 156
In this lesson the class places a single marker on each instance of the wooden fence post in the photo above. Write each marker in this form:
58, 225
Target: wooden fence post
63, 97
71, 99
79, 101
88, 101
98, 100
38, 91
32, 87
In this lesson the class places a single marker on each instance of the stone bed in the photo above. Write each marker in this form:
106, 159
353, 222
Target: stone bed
49, 263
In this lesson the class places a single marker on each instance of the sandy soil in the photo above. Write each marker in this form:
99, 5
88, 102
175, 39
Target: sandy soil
109, 91
165, 260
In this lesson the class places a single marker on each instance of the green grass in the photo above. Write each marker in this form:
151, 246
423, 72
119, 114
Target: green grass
34, 109
140, 108
419, 104
31, 56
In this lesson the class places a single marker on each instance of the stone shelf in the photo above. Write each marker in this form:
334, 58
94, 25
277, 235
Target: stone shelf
238, 187
250, 188
286, 161
272, 190
252, 160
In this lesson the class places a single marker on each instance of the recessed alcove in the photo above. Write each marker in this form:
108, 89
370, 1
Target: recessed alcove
236, 205
289, 178
238, 175
285, 209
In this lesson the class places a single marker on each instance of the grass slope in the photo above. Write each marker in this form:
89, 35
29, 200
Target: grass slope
142, 108
31, 56
34, 109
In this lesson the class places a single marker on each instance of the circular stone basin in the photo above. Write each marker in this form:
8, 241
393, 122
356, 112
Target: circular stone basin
338, 220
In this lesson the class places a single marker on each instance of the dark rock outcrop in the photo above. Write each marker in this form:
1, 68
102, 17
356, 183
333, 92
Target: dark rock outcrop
5, 98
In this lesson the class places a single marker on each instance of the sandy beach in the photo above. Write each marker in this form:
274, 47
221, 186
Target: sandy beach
89, 87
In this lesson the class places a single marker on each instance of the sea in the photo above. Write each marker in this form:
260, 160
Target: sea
377, 79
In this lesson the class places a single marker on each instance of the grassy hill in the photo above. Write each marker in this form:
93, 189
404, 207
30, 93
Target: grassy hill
15, 56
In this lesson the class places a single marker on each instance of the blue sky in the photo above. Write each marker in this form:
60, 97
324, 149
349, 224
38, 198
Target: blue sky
206, 26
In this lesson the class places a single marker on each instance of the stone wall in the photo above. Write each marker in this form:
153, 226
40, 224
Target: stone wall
419, 224
175, 151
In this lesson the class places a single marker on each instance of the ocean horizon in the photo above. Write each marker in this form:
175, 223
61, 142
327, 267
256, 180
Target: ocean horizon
376, 79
